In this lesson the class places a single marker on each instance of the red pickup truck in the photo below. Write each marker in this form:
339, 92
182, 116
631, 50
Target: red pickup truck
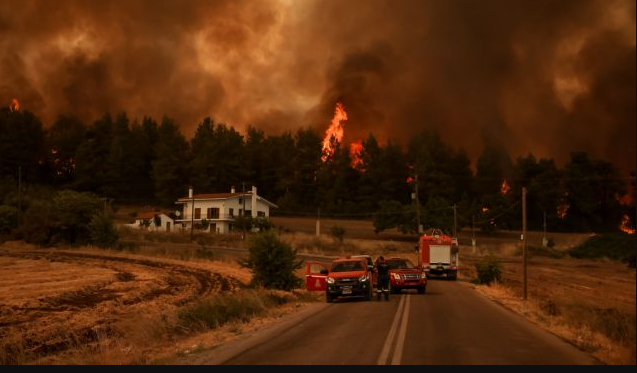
404, 275
345, 277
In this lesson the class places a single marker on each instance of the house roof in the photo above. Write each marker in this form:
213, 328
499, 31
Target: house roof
215, 196
148, 214
199, 197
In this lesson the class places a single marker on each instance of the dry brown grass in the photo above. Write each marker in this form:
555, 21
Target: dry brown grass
588, 303
580, 328
111, 307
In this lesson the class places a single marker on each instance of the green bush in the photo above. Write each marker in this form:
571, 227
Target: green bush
489, 269
272, 263
338, 232
214, 312
618, 246
102, 230
8, 218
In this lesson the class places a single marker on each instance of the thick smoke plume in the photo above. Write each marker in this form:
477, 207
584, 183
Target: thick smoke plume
537, 76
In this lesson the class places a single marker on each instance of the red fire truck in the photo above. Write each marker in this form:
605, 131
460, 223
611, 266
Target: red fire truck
438, 254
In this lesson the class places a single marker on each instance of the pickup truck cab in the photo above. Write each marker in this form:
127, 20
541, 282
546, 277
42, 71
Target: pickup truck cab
404, 275
348, 277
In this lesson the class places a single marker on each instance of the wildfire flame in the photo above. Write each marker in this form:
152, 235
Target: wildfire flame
355, 151
625, 226
562, 210
485, 210
15, 105
334, 134
627, 200
505, 188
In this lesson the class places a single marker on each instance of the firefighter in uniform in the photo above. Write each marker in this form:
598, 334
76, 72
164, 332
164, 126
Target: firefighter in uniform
382, 269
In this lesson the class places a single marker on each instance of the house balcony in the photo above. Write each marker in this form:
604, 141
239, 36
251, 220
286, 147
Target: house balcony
220, 218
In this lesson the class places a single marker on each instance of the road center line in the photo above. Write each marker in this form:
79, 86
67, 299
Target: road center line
384, 354
400, 343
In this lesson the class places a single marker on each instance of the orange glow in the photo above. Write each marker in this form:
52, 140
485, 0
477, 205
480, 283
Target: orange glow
625, 226
627, 200
334, 134
355, 151
410, 180
562, 210
485, 210
14, 106
505, 188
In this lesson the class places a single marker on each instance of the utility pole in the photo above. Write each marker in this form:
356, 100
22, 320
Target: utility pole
243, 200
318, 223
473, 233
192, 216
455, 221
417, 208
545, 241
19, 193
524, 253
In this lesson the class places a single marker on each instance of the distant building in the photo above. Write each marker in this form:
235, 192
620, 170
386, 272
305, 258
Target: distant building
154, 221
218, 212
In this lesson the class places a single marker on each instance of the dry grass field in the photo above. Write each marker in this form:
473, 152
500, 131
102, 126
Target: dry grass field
58, 306
89, 306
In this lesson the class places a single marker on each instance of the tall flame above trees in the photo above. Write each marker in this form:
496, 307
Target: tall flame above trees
15, 105
626, 225
334, 134
355, 151
505, 188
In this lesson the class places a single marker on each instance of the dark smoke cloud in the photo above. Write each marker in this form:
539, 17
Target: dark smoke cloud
535, 76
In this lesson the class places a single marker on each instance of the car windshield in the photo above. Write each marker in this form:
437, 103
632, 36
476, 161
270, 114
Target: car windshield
400, 264
368, 258
348, 266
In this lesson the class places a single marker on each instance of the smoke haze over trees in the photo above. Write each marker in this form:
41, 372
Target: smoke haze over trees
530, 76
150, 163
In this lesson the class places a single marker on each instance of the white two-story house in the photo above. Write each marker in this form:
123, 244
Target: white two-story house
220, 210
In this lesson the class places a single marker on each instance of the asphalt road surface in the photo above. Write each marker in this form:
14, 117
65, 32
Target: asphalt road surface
451, 324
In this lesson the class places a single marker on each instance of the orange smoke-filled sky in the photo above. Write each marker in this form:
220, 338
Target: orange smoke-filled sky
541, 76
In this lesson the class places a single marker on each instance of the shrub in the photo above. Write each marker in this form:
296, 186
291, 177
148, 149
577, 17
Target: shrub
213, 312
102, 230
489, 269
338, 232
272, 263
8, 218
613, 246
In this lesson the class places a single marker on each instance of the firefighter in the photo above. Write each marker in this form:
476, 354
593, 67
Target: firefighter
382, 268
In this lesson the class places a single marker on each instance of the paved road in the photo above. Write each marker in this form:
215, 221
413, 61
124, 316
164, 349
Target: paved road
451, 324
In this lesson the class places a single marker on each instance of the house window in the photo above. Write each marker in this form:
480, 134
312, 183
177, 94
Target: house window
213, 213
240, 212
240, 201
261, 214
197, 213
231, 213
213, 228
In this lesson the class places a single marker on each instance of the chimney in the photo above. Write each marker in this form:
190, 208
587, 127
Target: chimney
189, 192
254, 202
232, 190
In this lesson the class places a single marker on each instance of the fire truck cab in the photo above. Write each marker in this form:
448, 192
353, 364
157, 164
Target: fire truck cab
438, 254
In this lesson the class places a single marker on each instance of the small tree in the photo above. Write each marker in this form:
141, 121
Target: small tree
489, 269
272, 263
8, 218
338, 232
205, 224
102, 230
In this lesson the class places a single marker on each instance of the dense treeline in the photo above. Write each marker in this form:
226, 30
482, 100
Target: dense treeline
152, 162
